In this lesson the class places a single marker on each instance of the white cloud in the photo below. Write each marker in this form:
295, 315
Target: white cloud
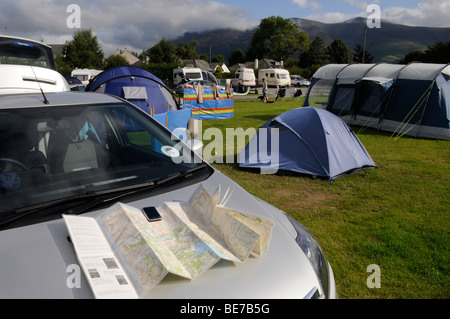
429, 13
301, 3
331, 17
307, 4
359, 4
432, 13
135, 24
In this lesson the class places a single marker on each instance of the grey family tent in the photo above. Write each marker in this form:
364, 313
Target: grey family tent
412, 99
310, 141
136, 85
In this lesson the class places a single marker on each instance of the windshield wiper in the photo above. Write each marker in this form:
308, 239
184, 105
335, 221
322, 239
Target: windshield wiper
93, 199
179, 175
89, 200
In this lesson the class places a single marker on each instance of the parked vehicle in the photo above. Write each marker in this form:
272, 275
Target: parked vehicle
81, 154
182, 75
85, 75
75, 84
30, 79
243, 79
274, 77
206, 85
208, 76
299, 81
21, 51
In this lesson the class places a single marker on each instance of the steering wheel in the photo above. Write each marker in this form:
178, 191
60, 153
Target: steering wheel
14, 162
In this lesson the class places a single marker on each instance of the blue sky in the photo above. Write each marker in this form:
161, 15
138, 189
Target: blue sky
139, 24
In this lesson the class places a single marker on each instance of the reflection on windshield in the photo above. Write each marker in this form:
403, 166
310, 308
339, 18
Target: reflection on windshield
52, 153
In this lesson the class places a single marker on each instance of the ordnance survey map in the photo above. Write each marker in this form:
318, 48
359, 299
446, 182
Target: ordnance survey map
124, 255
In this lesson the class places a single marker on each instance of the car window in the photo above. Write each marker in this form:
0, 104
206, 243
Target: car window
53, 153
25, 52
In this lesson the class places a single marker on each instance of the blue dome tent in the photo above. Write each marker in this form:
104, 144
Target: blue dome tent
136, 85
311, 141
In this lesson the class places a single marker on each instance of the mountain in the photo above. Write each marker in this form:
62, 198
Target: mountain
389, 43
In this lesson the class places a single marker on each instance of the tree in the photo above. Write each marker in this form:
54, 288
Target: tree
276, 38
339, 52
115, 60
218, 58
317, 54
188, 50
361, 56
237, 56
439, 52
162, 52
83, 51
62, 67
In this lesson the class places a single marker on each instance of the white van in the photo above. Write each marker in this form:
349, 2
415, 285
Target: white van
274, 77
21, 51
192, 74
30, 79
85, 75
242, 79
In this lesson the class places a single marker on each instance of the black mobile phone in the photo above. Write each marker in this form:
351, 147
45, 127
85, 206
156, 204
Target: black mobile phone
151, 214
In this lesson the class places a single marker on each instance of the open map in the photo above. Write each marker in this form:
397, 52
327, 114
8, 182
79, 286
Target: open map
189, 239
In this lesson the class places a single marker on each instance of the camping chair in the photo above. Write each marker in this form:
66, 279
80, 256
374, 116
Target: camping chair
281, 93
297, 94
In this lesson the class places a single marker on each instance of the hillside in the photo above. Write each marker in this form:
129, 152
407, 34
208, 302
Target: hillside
387, 44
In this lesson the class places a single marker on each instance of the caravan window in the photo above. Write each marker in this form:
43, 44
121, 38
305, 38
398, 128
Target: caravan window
82, 77
193, 75
282, 76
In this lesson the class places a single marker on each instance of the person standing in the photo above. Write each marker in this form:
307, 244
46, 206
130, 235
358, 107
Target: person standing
264, 88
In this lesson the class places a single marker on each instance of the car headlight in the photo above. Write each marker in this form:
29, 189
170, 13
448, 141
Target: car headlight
314, 253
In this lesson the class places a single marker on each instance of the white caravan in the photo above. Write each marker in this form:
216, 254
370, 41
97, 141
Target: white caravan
85, 75
274, 77
191, 74
243, 79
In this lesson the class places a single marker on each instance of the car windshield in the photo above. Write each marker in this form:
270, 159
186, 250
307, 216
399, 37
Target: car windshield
54, 153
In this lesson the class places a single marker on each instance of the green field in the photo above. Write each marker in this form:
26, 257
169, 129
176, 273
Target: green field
396, 217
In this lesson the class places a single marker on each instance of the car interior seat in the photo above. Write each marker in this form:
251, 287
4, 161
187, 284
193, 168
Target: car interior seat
68, 154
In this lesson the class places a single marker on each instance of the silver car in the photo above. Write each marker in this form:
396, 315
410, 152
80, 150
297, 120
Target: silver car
79, 154
298, 81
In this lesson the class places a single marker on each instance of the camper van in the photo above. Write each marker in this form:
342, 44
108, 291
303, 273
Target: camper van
243, 79
21, 51
30, 79
28, 66
189, 74
85, 75
274, 77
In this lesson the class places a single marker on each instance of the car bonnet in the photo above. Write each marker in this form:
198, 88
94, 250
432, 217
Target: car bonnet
39, 261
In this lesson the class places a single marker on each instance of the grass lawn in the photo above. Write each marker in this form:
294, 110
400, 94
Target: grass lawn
396, 217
